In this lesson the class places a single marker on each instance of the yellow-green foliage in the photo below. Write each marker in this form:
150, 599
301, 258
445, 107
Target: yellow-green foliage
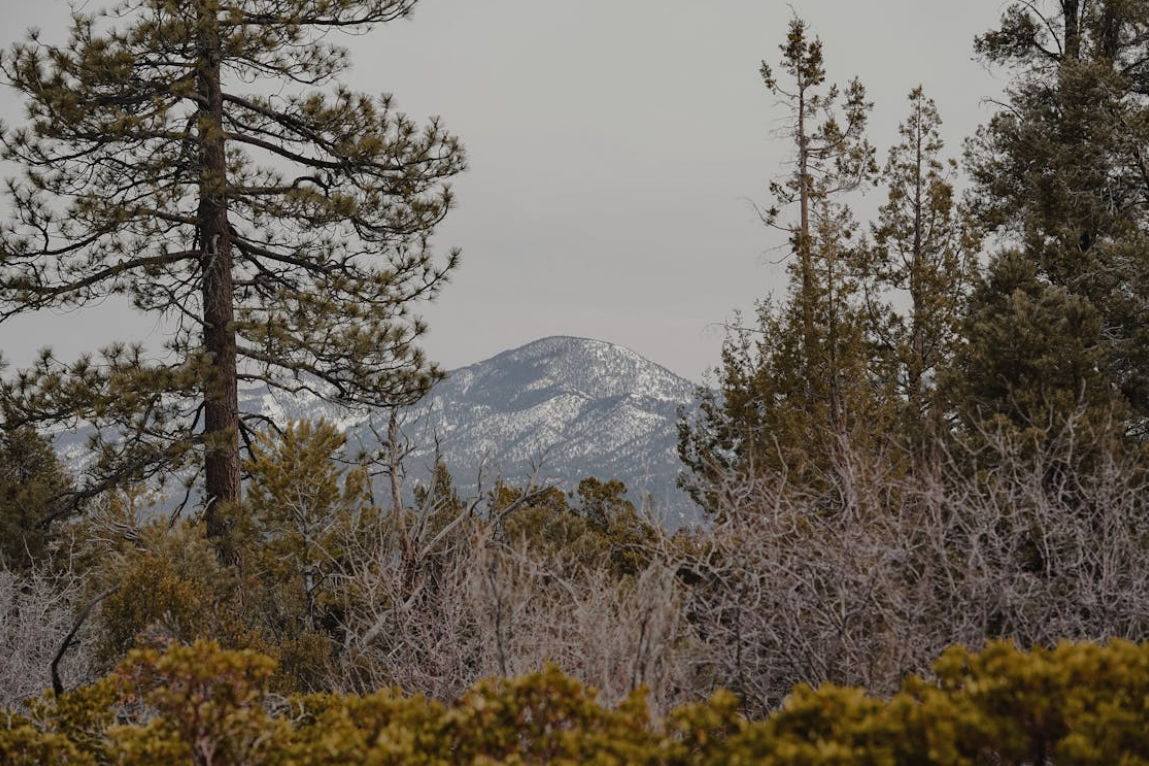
302, 508
602, 529
698, 733
71, 729
548, 718
1075, 705
300, 501
172, 588
196, 703
541, 718
25, 745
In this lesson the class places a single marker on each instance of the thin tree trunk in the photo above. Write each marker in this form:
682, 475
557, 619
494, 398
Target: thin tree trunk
805, 256
395, 466
917, 264
1071, 10
221, 402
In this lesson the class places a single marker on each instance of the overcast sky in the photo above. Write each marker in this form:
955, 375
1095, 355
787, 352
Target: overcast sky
615, 146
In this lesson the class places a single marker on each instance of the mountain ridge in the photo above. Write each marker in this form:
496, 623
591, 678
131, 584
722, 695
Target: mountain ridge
563, 407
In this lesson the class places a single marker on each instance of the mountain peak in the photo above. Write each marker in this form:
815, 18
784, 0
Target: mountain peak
592, 368
580, 407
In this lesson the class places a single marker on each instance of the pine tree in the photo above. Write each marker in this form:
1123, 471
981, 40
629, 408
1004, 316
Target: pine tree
201, 160
437, 506
797, 388
831, 157
1061, 173
302, 505
1032, 358
31, 479
603, 502
923, 253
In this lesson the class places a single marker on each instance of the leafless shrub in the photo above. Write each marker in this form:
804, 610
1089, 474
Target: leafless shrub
862, 581
37, 611
868, 581
406, 624
614, 634
475, 605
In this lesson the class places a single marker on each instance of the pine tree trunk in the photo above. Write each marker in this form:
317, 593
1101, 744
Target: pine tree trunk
221, 402
1071, 10
917, 362
806, 258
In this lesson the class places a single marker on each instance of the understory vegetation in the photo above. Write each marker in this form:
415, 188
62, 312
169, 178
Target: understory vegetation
861, 582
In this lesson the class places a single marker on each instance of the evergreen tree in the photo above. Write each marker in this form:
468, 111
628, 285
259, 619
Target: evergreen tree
302, 506
831, 157
200, 159
440, 494
923, 253
603, 502
1060, 174
797, 388
1032, 358
437, 504
31, 480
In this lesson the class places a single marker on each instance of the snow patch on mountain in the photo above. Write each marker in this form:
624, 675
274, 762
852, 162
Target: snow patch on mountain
567, 408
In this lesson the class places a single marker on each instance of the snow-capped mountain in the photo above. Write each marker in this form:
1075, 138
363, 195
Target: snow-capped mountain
573, 407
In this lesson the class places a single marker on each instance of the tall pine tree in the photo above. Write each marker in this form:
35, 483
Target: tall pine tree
200, 159
924, 262
796, 390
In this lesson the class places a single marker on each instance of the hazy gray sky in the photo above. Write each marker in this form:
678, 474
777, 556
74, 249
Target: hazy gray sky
614, 148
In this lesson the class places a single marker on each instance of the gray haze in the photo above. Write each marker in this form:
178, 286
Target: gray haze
615, 146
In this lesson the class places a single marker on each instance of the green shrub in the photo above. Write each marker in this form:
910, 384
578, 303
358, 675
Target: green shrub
1074, 705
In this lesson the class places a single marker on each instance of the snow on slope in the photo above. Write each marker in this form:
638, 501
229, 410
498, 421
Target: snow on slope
579, 407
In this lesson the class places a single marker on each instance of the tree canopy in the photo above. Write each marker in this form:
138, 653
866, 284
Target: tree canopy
202, 160
1060, 173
